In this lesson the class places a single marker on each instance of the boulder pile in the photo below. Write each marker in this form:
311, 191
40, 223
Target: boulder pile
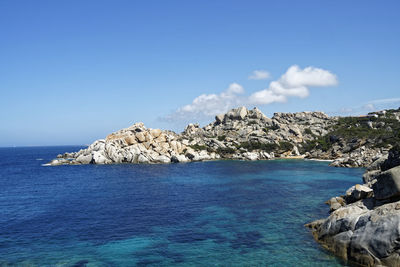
247, 135
136, 144
364, 224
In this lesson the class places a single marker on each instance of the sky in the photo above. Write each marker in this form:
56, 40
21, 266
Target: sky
74, 71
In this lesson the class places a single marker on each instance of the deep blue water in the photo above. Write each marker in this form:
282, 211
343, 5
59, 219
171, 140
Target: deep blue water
222, 213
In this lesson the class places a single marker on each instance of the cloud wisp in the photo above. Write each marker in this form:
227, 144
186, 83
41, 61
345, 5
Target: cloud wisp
208, 105
260, 75
295, 82
373, 105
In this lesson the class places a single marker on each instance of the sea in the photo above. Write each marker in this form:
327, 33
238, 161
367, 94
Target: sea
215, 213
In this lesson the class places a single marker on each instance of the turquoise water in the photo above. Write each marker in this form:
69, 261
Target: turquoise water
222, 213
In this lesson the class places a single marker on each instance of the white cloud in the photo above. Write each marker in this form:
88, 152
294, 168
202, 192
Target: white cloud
295, 82
235, 88
259, 75
364, 108
207, 105
309, 76
265, 97
385, 101
369, 107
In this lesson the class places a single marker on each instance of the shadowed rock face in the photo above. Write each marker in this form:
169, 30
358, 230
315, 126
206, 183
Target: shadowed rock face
392, 160
387, 184
365, 228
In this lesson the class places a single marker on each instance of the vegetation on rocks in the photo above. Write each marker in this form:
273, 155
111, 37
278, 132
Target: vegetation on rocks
198, 147
221, 137
250, 135
379, 130
350, 136
251, 146
223, 151
285, 146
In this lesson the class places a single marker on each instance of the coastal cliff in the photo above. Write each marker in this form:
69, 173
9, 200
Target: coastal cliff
250, 135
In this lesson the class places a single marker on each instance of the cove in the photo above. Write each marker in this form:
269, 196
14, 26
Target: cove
227, 213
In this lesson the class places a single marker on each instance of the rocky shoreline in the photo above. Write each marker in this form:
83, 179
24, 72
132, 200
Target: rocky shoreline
364, 224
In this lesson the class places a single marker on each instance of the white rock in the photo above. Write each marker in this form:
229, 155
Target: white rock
99, 158
266, 155
56, 162
143, 159
155, 132
140, 137
295, 151
161, 138
130, 140
251, 156
219, 118
173, 146
241, 113
84, 159
182, 158
162, 159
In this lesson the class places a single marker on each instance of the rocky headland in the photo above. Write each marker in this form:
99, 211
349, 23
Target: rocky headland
250, 135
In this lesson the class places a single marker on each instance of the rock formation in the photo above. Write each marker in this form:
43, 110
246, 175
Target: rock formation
136, 144
250, 135
364, 224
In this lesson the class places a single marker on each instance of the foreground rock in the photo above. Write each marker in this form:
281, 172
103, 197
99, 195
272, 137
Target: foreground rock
365, 232
365, 227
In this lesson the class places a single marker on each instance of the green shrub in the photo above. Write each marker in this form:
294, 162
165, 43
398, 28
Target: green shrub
349, 128
268, 147
221, 138
251, 123
273, 127
286, 146
308, 131
324, 143
198, 147
226, 150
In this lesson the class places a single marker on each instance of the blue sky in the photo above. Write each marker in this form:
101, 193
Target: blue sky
74, 71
